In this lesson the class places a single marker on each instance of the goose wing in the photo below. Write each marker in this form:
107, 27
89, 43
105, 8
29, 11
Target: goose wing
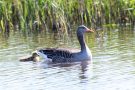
56, 52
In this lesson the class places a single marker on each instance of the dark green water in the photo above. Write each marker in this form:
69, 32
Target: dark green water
112, 68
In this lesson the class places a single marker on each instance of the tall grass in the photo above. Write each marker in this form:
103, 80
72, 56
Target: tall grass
58, 15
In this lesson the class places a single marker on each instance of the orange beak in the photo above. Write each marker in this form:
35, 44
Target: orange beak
90, 30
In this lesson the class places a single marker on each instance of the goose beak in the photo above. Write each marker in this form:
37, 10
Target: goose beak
89, 30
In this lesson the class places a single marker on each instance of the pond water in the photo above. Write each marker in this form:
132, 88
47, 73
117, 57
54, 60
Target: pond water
112, 68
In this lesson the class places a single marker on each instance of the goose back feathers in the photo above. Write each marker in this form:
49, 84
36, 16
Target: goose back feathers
56, 55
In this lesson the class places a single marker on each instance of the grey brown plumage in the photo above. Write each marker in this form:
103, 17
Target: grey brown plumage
57, 55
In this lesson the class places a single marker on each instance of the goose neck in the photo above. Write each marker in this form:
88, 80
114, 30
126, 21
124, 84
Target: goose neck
82, 41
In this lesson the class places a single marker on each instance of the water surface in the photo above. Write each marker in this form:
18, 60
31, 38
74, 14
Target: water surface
112, 68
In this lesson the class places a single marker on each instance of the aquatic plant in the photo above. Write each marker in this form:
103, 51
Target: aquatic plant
60, 15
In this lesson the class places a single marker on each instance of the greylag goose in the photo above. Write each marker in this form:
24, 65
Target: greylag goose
57, 55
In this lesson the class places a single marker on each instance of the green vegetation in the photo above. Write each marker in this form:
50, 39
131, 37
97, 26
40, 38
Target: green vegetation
61, 14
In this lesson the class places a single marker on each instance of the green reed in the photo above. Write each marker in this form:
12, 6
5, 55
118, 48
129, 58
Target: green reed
60, 15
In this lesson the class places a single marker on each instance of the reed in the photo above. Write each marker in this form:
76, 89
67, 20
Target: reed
60, 15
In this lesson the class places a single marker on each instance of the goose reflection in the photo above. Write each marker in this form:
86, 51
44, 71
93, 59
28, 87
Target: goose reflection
85, 71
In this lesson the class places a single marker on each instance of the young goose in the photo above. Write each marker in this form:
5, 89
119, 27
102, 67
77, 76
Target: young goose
57, 55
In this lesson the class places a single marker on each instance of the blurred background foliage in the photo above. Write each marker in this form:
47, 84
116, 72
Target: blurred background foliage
36, 15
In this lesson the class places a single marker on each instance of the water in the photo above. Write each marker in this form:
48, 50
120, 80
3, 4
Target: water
112, 68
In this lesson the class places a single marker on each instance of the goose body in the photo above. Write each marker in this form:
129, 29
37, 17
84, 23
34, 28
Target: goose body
59, 55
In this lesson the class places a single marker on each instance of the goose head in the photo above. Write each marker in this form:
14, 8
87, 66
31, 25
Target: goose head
83, 29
